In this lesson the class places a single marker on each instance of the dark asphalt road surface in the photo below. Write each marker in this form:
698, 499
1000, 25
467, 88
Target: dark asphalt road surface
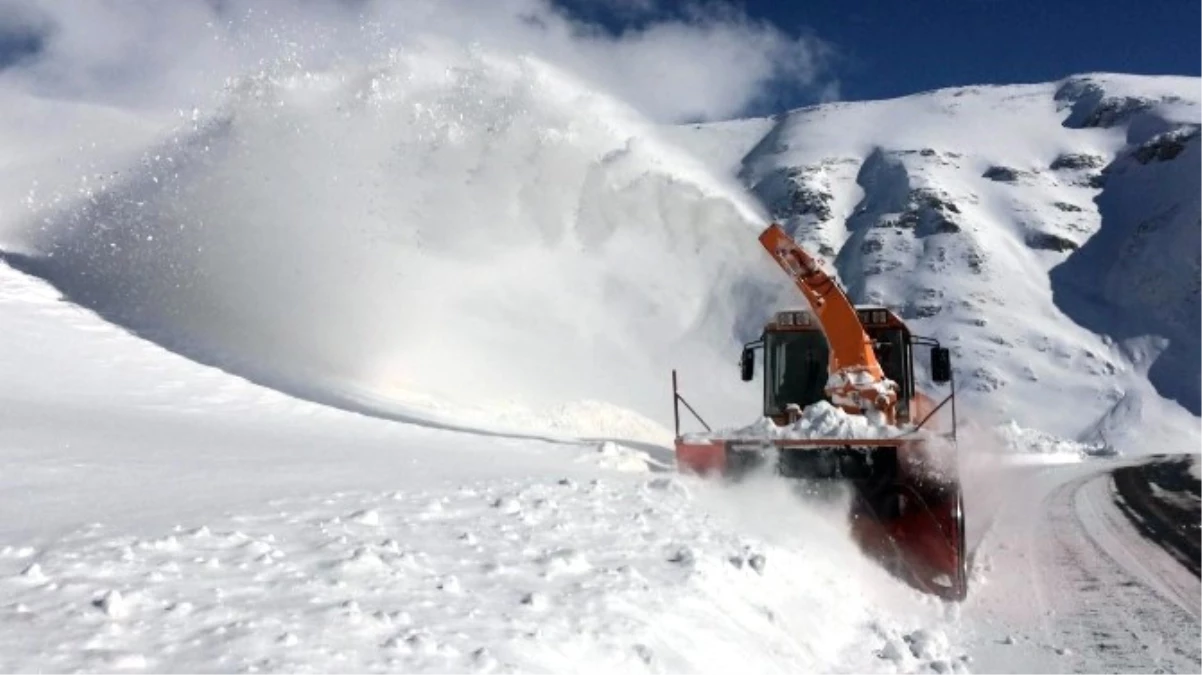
1163, 499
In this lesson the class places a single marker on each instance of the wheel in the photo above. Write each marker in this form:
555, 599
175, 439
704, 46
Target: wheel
960, 583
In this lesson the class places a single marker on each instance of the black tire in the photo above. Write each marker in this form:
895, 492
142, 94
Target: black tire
960, 583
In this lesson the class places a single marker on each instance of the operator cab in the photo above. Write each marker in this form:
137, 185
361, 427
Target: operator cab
796, 358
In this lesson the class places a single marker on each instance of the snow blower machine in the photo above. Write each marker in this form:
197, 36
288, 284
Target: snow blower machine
893, 448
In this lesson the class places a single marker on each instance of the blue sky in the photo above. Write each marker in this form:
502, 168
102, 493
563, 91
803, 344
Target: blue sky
886, 48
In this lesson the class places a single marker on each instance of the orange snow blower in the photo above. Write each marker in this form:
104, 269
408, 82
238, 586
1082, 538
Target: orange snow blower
907, 512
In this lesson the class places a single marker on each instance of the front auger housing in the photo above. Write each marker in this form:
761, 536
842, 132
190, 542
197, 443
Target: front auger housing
907, 518
907, 512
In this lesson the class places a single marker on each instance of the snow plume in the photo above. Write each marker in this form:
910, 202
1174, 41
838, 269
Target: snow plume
440, 227
706, 62
398, 207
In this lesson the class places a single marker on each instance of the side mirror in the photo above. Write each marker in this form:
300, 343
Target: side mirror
941, 365
747, 364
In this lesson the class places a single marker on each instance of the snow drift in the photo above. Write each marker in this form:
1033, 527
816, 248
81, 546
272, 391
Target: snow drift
441, 230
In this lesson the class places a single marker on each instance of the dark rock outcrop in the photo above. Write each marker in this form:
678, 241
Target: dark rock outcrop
796, 191
1076, 161
1116, 110
927, 212
1045, 241
1166, 146
1002, 174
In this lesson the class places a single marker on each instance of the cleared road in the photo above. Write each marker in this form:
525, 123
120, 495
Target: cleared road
1067, 582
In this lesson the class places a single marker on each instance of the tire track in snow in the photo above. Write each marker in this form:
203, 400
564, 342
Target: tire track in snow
1162, 502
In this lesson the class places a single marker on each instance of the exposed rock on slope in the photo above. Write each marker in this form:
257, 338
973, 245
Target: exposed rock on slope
1166, 146
1077, 161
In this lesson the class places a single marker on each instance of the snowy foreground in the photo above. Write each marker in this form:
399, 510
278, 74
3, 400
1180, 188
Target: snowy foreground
172, 517
167, 516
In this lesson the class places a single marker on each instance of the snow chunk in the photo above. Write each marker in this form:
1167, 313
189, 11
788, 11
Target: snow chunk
416, 641
1046, 447
362, 560
112, 604
10, 552
484, 660
34, 573
507, 505
565, 561
668, 485
894, 651
682, 555
610, 455
536, 601
128, 662
927, 645
366, 517
182, 608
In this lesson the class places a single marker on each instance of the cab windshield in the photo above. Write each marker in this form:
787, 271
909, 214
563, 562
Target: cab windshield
796, 366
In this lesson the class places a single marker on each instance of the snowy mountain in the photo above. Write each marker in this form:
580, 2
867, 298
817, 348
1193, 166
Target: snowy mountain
214, 321
1049, 232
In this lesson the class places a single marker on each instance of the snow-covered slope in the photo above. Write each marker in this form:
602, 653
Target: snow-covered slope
1049, 233
161, 515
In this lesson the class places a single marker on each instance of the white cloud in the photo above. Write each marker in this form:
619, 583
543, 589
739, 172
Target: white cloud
702, 64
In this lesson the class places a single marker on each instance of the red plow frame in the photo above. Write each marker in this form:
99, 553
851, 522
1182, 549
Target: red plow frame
905, 514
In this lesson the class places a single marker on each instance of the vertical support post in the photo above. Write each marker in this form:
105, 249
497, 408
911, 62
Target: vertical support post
675, 405
953, 383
